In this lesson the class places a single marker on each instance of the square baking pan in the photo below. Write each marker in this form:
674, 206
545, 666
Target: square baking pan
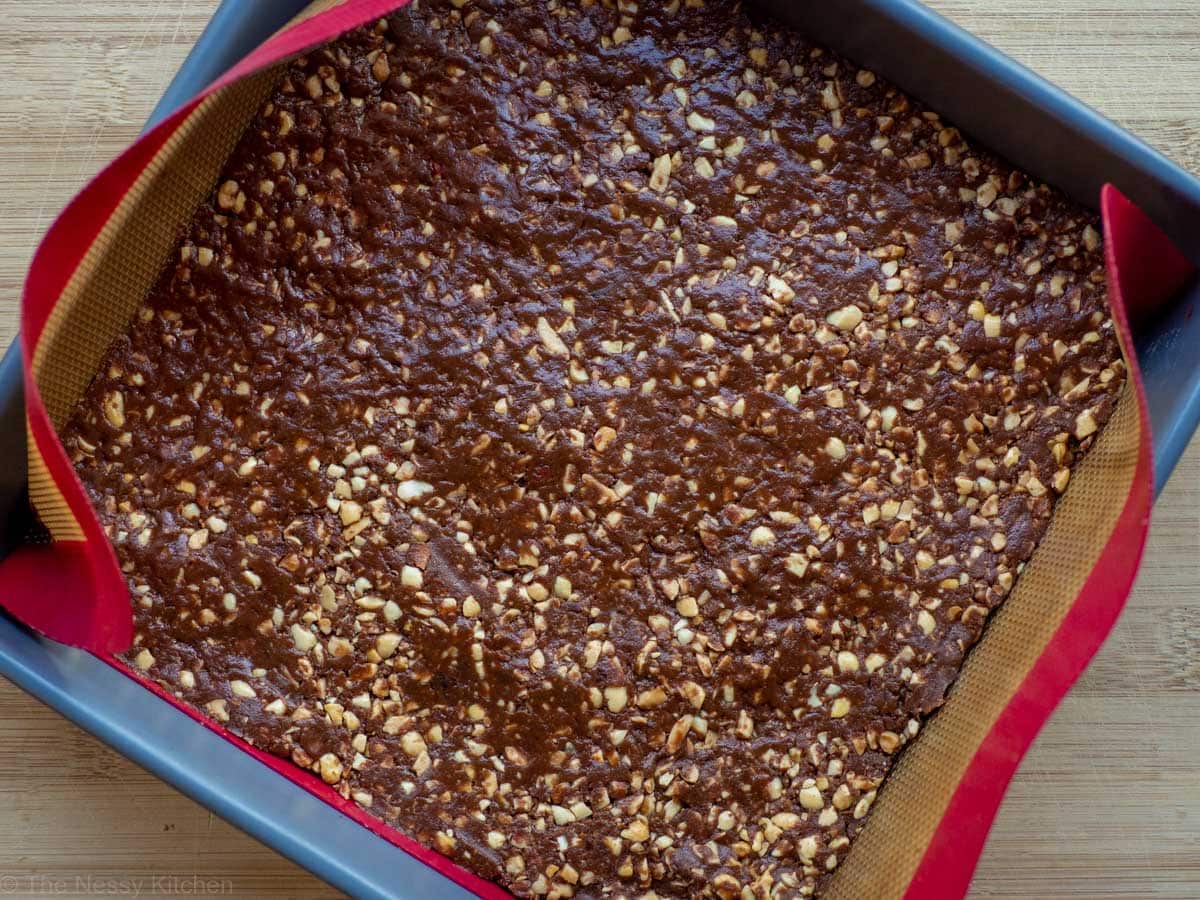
1001, 104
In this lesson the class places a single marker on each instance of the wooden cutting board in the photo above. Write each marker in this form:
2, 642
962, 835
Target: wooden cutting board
1107, 804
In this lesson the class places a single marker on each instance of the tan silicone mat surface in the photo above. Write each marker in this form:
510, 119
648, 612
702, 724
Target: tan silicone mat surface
128, 256
125, 260
883, 859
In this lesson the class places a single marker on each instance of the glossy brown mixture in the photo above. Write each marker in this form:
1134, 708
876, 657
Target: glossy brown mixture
591, 437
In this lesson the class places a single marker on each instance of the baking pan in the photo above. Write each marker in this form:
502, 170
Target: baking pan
998, 102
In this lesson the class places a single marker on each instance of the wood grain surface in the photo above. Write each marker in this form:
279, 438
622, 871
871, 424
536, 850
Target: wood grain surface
1106, 805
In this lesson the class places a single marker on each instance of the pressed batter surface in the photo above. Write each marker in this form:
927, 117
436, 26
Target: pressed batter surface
591, 437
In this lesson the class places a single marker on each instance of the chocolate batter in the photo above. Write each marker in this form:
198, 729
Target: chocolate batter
590, 436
